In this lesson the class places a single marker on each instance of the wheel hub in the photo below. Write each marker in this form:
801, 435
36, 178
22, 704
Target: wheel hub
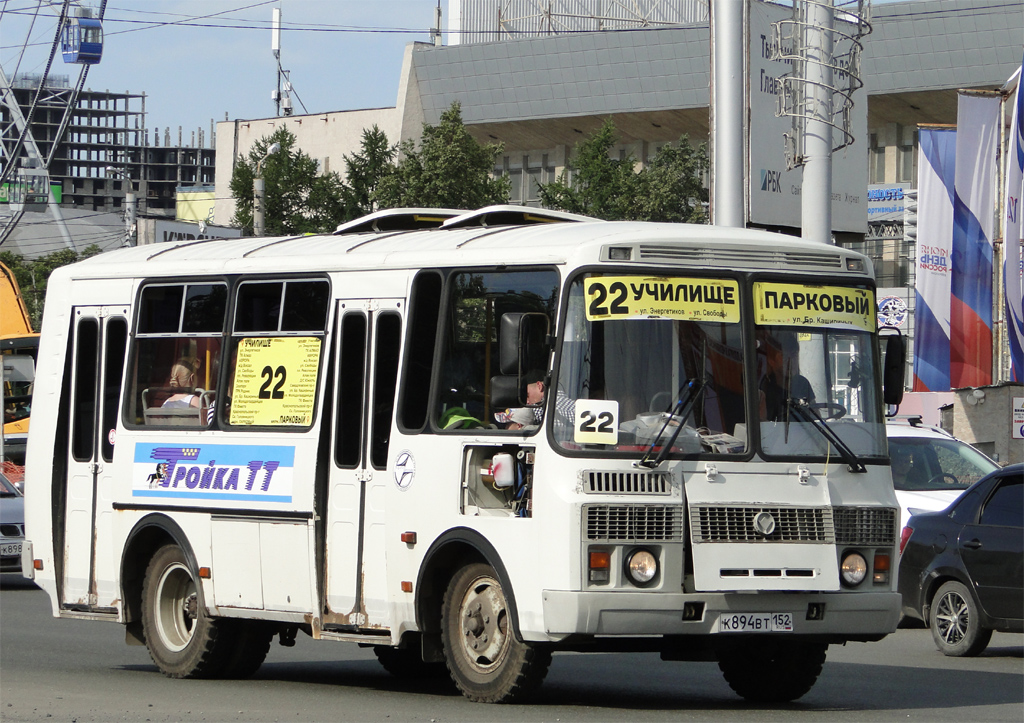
484, 624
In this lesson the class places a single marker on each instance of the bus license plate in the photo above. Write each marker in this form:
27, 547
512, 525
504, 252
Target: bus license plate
755, 623
10, 548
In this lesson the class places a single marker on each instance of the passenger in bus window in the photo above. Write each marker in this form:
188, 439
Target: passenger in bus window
183, 376
782, 379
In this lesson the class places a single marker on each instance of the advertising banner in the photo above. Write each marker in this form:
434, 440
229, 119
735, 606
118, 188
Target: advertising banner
935, 170
774, 191
970, 338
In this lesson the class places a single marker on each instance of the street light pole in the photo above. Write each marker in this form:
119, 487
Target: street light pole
259, 224
129, 206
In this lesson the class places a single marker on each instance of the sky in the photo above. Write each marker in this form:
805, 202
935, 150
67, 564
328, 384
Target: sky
197, 60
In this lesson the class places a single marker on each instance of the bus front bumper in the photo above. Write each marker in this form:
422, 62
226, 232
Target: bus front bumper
846, 615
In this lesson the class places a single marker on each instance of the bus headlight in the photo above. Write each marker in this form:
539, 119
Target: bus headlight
854, 569
641, 567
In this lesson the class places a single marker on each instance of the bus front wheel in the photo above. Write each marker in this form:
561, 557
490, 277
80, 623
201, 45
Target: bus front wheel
486, 661
182, 640
772, 671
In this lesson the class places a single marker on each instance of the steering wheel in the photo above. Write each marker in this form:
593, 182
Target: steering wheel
943, 477
828, 410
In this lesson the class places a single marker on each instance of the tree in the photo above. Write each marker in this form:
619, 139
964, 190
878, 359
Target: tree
298, 198
32, 275
364, 171
669, 188
594, 184
449, 169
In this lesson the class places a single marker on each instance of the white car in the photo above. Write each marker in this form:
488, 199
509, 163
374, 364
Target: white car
931, 468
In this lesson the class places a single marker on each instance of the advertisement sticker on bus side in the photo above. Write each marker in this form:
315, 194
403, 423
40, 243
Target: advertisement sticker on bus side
214, 472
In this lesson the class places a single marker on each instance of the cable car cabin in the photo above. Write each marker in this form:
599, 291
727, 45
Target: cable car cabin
30, 190
82, 41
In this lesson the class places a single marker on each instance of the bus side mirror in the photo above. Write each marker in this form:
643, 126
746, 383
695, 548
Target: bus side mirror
893, 370
523, 343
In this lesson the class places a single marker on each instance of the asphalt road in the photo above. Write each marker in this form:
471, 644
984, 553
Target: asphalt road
71, 670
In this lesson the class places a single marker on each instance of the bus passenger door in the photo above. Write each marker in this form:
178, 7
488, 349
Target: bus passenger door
367, 369
99, 341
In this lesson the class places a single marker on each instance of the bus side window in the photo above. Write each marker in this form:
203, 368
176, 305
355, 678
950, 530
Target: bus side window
348, 423
277, 345
423, 315
176, 353
477, 301
385, 375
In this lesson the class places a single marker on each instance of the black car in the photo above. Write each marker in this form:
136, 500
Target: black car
962, 569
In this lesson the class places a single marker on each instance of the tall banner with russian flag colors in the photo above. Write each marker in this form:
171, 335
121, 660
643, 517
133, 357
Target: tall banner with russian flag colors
970, 315
935, 172
1013, 238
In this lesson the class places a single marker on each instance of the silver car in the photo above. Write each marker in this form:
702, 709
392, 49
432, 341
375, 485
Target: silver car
12, 526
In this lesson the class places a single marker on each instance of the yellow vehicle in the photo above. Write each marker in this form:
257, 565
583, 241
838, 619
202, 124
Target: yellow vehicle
18, 346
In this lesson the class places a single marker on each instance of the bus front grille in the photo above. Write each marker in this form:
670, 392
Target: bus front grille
865, 526
626, 483
756, 523
633, 523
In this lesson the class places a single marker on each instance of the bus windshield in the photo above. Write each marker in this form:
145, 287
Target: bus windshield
813, 384
648, 359
658, 363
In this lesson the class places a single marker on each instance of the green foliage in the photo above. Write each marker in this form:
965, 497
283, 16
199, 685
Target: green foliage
298, 199
448, 169
364, 171
669, 188
33, 274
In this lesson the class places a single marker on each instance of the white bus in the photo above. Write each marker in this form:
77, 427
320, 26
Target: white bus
470, 440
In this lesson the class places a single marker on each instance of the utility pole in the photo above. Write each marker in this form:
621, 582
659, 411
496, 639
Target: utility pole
130, 238
728, 180
259, 224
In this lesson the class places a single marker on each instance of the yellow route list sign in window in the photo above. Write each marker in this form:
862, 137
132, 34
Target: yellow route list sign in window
275, 381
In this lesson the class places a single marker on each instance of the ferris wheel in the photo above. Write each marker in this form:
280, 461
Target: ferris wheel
76, 29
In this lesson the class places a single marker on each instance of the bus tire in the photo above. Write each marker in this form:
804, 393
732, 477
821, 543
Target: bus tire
769, 671
484, 658
249, 645
407, 663
182, 640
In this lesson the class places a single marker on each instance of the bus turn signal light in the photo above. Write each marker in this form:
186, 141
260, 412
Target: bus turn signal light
881, 568
600, 564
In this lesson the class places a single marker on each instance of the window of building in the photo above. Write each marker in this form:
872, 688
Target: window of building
876, 160
906, 152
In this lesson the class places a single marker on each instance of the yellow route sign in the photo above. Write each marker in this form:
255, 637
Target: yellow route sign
275, 381
806, 305
644, 297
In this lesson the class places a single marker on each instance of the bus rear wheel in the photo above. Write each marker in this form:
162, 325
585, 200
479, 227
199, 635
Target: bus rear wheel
772, 671
182, 640
486, 661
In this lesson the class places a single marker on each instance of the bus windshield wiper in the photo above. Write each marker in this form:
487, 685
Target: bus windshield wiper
688, 394
802, 409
